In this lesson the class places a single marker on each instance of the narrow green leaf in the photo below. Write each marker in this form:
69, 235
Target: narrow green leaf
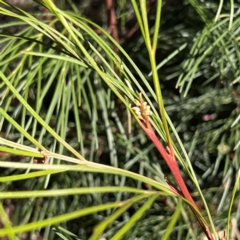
21, 152
173, 221
70, 191
98, 230
137, 215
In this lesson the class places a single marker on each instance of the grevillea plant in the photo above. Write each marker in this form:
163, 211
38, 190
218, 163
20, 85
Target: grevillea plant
61, 64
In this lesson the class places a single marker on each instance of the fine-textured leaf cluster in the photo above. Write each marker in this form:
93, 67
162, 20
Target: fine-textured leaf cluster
74, 162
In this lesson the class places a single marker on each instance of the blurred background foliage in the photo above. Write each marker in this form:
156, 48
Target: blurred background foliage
195, 54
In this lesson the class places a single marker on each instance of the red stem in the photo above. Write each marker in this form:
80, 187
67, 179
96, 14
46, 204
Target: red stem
173, 166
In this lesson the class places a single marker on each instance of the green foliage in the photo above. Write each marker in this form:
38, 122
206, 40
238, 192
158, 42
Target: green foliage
74, 162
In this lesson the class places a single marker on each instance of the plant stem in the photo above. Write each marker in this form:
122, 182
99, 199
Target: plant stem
169, 158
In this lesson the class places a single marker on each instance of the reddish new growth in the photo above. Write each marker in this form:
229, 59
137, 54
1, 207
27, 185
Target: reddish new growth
143, 113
